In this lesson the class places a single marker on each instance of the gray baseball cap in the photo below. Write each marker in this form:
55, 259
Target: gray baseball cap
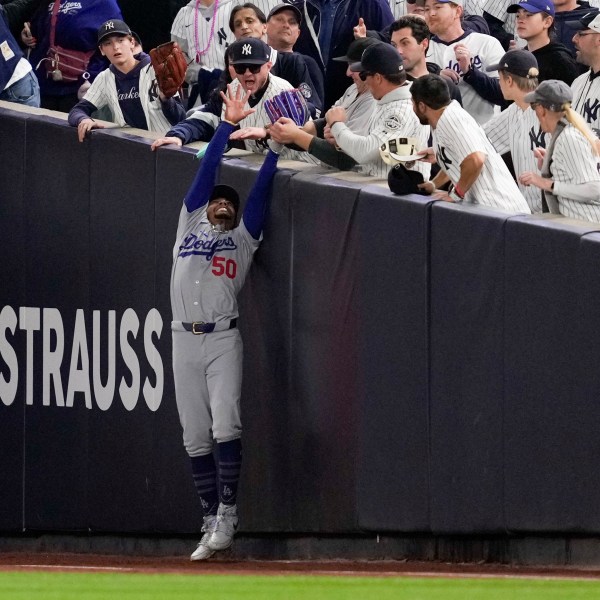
552, 94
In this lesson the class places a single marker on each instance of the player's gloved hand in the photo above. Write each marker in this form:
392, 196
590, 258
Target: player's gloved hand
290, 104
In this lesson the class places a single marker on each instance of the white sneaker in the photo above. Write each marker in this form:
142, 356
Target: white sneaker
227, 522
203, 551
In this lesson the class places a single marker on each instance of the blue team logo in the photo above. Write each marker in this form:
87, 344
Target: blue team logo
193, 245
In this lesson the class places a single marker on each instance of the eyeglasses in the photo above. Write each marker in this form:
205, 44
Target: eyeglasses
364, 74
579, 34
241, 69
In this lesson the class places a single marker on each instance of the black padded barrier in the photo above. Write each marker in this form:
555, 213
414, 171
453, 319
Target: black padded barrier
466, 368
57, 255
410, 365
391, 285
552, 410
13, 196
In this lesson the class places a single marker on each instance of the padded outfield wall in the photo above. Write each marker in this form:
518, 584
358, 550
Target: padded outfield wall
411, 367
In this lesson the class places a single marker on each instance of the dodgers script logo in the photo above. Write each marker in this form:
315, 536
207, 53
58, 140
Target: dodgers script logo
192, 244
475, 64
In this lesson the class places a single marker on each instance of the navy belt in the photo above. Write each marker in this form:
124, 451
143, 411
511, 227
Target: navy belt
200, 327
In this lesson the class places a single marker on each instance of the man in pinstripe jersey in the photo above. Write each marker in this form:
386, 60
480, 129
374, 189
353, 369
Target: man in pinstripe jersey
466, 157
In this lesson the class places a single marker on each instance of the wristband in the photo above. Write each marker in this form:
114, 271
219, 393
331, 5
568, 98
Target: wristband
459, 192
454, 196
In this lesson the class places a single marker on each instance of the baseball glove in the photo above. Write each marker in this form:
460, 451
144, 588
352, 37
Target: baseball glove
170, 65
289, 103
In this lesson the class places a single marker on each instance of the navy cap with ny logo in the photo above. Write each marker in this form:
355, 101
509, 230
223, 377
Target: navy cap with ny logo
250, 51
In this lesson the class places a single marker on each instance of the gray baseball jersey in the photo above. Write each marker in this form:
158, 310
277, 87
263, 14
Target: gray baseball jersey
485, 50
573, 163
457, 135
518, 131
586, 98
216, 263
393, 116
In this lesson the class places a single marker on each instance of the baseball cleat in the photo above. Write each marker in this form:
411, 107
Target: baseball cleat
203, 551
227, 522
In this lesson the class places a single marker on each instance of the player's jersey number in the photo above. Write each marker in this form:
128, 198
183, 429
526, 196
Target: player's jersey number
224, 266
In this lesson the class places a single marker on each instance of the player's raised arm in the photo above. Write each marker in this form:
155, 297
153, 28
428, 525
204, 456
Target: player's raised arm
255, 211
201, 188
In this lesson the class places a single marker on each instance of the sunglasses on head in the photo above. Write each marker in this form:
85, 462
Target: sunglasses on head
240, 69
364, 74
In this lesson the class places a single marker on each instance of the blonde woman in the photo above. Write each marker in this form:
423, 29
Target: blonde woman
569, 180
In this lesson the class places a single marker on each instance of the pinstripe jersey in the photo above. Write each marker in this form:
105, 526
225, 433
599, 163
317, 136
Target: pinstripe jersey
204, 51
573, 162
497, 8
103, 92
485, 50
457, 135
518, 131
586, 98
393, 116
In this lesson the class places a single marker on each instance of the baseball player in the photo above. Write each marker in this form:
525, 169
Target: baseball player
465, 155
458, 52
586, 88
128, 88
381, 67
211, 259
570, 177
517, 129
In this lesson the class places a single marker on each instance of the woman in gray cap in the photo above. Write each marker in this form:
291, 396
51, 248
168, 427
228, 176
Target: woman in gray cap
569, 180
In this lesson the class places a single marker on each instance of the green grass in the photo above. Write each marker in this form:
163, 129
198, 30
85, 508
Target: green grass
117, 586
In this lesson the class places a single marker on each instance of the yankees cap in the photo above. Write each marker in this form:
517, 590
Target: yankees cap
280, 7
517, 62
356, 49
533, 6
226, 191
249, 51
113, 27
379, 58
403, 181
589, 21
552, 94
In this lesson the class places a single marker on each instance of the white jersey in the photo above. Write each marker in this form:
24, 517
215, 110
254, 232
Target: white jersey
519, 132
485, 50
201, 289
586, 98
393, 116
457, 135
573, 162
204, 34
103, 92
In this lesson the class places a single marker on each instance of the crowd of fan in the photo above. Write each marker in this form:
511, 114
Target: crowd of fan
498, 101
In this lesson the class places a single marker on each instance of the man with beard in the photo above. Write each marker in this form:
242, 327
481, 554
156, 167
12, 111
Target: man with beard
466, 157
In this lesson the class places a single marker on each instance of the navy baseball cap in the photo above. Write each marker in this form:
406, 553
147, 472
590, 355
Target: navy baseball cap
589, 21
551, 93
280, 7
113, 27
356, 49
249, 51
533, 6
379, 58
517, 62
226, 191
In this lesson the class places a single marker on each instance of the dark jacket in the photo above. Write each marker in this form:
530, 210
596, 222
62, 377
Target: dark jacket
554, 62
564, 33
377, 15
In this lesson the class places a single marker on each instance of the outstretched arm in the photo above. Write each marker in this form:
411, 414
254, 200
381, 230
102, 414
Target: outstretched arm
204, 182
256, 206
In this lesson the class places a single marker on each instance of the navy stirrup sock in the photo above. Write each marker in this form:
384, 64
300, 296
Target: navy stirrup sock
204, 473
230, 463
